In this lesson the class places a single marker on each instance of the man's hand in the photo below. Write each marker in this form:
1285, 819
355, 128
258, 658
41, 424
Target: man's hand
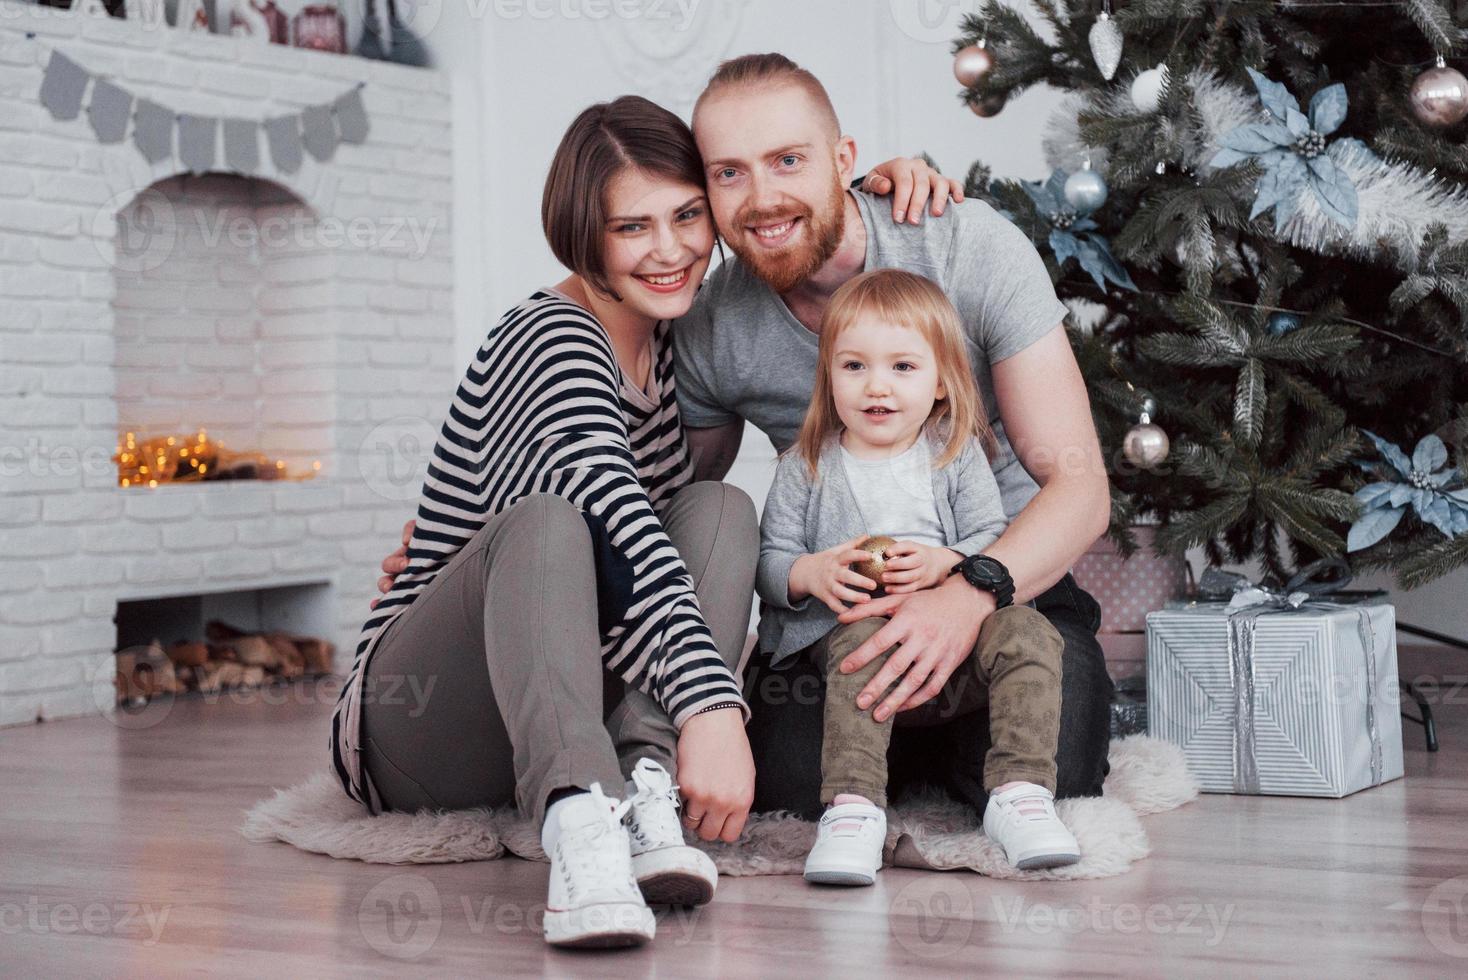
911, 182
829, 577
715, 774
935, 631
395, 563
911, 566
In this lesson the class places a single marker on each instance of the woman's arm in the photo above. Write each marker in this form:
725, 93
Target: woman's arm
911, 182
583, 449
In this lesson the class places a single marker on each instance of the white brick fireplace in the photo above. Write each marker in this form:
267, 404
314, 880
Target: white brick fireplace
308, 316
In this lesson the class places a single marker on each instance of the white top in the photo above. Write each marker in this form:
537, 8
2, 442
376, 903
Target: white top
895, 494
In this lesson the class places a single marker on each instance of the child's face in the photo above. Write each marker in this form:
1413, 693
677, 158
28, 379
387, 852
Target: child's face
884, 379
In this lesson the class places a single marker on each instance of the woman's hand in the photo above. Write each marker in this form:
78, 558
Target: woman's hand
829, 577
911, 182
911, 566
395, 563
715, 774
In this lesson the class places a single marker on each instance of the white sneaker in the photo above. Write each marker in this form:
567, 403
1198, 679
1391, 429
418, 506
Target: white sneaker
668, 871
593, 898
1022, 820
848, 849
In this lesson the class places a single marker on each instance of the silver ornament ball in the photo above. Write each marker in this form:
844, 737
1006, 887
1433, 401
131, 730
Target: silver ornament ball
971, 64
1085, 190
1145, 445
1281, 323
1439, 97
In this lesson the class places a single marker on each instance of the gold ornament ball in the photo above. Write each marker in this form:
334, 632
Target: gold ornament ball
1440, 97
971, 64
989, 105
874, 566
1145, 445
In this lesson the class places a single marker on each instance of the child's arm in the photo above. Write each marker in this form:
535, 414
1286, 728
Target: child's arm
788, 573
979, 518
978, 509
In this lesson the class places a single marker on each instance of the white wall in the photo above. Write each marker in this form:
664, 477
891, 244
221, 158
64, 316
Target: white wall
522, 69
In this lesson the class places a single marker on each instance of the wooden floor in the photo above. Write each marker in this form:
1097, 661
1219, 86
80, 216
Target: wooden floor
119, 856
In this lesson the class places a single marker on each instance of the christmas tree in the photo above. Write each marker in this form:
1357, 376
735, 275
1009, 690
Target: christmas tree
1260, 211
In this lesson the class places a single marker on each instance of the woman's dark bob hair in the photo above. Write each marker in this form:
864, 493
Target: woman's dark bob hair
604, 140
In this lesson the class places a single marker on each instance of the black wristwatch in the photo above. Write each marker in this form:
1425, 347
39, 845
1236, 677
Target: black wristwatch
988, 575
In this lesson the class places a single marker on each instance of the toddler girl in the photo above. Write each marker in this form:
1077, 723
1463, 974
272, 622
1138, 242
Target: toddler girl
894, 444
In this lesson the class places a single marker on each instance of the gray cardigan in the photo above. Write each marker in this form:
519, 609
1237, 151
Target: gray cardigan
802, 517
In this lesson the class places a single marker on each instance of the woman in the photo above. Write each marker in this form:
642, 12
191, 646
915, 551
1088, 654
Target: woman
554, 540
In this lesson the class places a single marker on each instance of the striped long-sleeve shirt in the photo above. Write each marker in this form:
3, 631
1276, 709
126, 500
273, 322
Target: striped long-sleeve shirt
544, 409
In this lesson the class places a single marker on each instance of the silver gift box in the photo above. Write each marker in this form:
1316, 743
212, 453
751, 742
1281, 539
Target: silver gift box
1303, 702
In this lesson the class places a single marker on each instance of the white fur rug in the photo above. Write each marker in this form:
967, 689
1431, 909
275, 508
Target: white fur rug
1147, 776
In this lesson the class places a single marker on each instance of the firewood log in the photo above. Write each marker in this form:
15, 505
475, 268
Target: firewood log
292, 663
186, 654
217, 675
218, 631
317, 654
254, 651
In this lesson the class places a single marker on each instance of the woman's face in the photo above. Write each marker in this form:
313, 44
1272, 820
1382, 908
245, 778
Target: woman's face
658, 239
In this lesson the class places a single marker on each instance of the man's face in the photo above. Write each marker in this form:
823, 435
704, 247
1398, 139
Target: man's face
776, 176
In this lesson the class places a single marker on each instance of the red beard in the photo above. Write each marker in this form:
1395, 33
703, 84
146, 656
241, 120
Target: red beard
792, 265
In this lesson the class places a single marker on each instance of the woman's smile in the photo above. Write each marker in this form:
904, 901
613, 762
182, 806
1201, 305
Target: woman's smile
665, 282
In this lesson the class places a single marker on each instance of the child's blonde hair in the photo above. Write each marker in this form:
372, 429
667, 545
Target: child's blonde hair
908, 300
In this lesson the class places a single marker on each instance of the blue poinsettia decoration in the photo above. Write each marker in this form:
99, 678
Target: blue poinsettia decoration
1292, 147
1073, 236
1422, 482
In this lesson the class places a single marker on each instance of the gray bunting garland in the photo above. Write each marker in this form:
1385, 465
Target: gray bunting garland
317, 129
108, 111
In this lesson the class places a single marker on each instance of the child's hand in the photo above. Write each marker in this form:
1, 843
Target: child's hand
828, 576
912, 566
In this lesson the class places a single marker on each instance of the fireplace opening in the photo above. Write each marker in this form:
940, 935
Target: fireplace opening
219, 641
224, 352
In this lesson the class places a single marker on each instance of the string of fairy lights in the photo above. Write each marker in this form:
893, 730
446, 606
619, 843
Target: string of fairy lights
194, 459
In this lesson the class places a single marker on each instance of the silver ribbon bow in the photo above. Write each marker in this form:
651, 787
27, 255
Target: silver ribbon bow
1247, 601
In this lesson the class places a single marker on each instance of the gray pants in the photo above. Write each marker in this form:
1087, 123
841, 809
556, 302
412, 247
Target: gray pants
507, 635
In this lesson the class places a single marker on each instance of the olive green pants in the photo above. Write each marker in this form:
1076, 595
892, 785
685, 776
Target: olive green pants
1015, 667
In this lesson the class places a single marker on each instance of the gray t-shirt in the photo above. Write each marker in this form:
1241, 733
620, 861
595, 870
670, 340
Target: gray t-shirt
740, 352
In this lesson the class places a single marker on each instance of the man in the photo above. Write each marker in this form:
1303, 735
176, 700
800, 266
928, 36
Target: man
777, 168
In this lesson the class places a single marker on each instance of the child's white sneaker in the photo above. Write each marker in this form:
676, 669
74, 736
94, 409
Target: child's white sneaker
848, 849
1022, 820
668, 871
594, 900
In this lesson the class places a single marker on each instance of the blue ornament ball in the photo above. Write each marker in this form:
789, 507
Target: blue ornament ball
1282, 323
1085, 190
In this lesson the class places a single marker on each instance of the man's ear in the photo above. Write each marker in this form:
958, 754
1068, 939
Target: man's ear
845, 152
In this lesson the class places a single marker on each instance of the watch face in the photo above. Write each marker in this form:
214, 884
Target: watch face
987, 569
